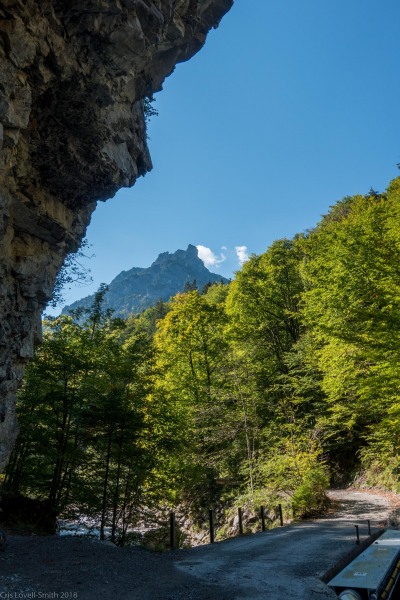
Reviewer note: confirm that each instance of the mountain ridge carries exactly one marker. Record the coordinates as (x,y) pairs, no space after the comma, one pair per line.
(138,288)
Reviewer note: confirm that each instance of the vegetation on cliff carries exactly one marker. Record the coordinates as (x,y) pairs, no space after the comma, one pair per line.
(261,390)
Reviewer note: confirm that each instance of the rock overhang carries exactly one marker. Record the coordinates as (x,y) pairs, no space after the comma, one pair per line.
(73,77)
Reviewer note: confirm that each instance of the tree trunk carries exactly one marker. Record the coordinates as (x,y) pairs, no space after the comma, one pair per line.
(105,485)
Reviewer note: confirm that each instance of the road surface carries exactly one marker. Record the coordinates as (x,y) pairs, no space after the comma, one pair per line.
(283,564)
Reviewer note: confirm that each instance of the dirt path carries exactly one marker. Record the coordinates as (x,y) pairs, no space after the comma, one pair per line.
(283,563)
(353,505)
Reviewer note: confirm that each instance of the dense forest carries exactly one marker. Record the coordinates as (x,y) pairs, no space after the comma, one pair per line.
(261,391)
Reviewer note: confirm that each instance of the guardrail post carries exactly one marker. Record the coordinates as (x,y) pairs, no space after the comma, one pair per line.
(240,521)
(280,514)
(211,516)
(358,534)
(172,530)
(369,527)
(262,518)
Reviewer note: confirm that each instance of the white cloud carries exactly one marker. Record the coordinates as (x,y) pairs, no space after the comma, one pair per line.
(241,253)
(208,257)
(224,248)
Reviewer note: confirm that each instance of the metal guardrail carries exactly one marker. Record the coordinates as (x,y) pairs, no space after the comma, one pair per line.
(373,574)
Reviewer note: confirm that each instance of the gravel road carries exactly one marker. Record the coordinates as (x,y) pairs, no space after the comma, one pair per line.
(284,563)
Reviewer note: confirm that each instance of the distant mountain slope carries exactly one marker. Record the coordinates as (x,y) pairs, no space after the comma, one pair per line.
(134,290)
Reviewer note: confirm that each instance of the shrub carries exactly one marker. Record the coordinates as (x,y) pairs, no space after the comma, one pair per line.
(310,498)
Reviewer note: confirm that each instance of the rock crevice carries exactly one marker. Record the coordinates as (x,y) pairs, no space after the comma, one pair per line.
(73,77)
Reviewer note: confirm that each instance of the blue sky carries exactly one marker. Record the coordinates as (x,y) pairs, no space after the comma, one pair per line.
(289,107)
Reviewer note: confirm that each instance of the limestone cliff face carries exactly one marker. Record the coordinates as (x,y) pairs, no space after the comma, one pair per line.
(73,75)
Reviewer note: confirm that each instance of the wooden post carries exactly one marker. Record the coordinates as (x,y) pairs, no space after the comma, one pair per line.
(211,515)
(262,518)
(358,534)
(240,521)
(172,530)
(280,514)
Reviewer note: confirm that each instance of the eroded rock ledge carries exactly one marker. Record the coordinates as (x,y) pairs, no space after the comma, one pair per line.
(72,131)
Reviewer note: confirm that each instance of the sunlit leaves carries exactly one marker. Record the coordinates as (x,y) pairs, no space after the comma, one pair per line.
(352,307)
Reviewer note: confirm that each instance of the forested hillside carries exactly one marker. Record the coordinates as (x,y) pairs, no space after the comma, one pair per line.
(260,391)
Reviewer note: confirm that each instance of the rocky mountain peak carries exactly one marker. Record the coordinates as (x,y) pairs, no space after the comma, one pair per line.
(190,255)
(139,288)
